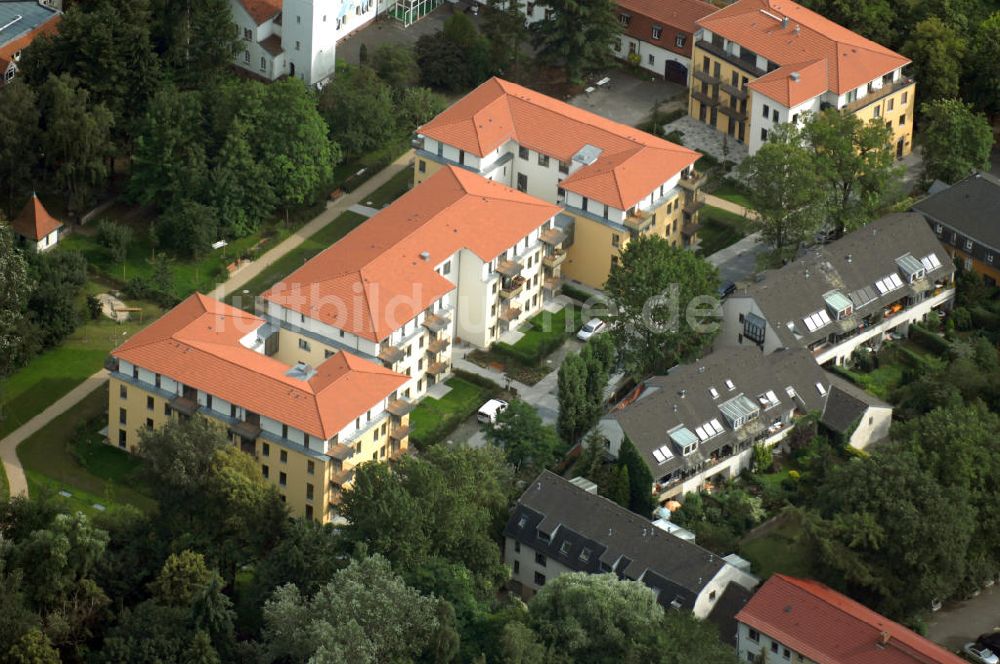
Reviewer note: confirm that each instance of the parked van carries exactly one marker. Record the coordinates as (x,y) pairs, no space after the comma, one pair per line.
(490,410)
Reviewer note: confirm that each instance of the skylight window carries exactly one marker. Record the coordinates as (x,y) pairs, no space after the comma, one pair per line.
(790,391)
(702,434)
(816,320)
(730,385)
(522,522)
(585,555)
(821,389)
(564,547)
(663,454)
(716,425)
(714,392)
(931,262)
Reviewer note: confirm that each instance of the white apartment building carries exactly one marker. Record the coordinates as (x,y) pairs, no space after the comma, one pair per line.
(459,256)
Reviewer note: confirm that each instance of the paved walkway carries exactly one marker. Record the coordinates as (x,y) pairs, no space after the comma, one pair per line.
(8,446)
(700,136)
(729,206)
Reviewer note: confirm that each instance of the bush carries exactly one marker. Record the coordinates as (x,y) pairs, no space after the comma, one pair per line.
(928,340)
(529,359)
(444,426)
(578,294)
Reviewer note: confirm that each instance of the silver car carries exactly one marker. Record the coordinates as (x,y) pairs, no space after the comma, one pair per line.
(981,654)
(590,328)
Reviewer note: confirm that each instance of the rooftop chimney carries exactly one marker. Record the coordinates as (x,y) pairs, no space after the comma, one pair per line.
(784,22)
(883,638)
(795,76)
(796,29)
(425,255)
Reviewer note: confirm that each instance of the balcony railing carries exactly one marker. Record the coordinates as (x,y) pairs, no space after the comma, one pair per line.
(436,323)
(509,268)
(722,54)
(554,259)
(437,368)
(390,355)
(400,433)
(704,98)
(693,204)
(554,237)
(509,314)
(438,345)
(878,95)
(512,287)
(733,91)
(735,113)
(693,180)
(703,75)
(399,407)
(638,221)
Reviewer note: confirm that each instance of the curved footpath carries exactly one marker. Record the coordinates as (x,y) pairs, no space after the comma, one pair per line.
(8,446)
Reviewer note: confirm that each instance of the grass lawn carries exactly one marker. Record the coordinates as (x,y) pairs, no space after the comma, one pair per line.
(546,328)
(397,185)
(67,455)
(55,372)
(294,259)
(720,229)
(463,400)
(880,382)
(732,192)
(778,550)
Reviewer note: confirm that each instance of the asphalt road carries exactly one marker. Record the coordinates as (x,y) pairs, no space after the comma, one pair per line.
(960,622)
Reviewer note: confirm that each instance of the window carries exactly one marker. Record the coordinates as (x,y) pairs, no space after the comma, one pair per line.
(298,46)
(517,545)
(282,479)
(624,19)
(246,57)
(311,467)
(522,152)
(445,269)
(327,353)
(774,647)
(265,449)
(539,579)
(149,423)
(680,40)
(166,409)
(657,31)
(968,245)
(522,182)
(122,416)
(263,63)
(902,100)
(585,555)
(877,112)
(650,59)
(461,157)
(938,228)
(774,115)
(309,491)
(543,160)
(123,392)
(564,165)
(754,636)
(888,125)
(615,240)
(122,438)
(422,166)
(303,345)
(763,134)
(265,471)
(786,653)
(247,34)
(284,456)
(309,512)
(540,559)
(767,111)
(298,19)
(989,258)
(891,103)
(618,49)
(711,596)
(149,403)
(902,120)
(517,567)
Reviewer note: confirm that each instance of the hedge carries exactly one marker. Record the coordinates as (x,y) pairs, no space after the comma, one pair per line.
(928,340)
(447,424)
(578,294)
(528,359)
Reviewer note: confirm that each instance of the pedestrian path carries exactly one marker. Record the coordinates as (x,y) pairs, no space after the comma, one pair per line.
(729,206)
(362,210)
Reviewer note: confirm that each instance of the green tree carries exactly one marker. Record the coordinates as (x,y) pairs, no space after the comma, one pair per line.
(662,297)
(784,189)
(183,577)
(34,647)
(419,105)
(15,288)
(456,58)
(367,613)
(577,35)
(504,25)
(150,633)
(855,162)
(983,69)
(19,138)
(619,486)
(359,109)
(187,228)
(396,65)
(76,140)
(241,192)
(519,645)
(597,380)
(957,141)
(53,309)
(169,162)
(195,39)
(937,50)
(116,238)
(528,443)
(874,19)
(574,406)
(640,479)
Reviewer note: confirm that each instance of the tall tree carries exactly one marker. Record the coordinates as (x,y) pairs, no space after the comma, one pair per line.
(195,38)
(529,444)
(957,141)
(396,65)
(359,109)
(663,300)
(18,142)
(456,58)
(983,70)
(76,139)
(241,190)
(59,278)
(574,406)
(855,161)
(640,479)
(507,30)
(577,35)
(15,288)
(937,50)
(784,189)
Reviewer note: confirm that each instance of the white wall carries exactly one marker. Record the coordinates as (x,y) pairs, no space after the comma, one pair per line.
(645,49)
(873,427)
(705,601)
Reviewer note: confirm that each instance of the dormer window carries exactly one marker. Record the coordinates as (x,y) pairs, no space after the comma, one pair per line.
(585,555)
(565,547)
(522,522)
(545,537)
(839,305)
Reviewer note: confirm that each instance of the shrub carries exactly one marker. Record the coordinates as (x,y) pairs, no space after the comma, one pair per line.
(578,294)
(962,318)
(928,340)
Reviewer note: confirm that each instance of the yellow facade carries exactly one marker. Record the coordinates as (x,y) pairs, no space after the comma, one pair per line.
(296,473)
(423,169)
(987,270)
(718,97)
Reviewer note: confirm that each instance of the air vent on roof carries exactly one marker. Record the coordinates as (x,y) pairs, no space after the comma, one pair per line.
(683,393)
(425,255)
(796,29)
(795,76)
(301,371)
(784,22)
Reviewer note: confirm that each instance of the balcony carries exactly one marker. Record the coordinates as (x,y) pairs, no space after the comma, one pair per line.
(509,314)
(341,452)
(399,407)
(734,113)
(342,477)
(733,91)
(638,221)
(552,285)
(553,237)
(184,405)
(693,204)
(878,95)
(509,268)
(554,259)
(399,433)
(436,323)
(721,53)
(512,287)
(703,75)
(437,368)
(438,345)
(693,180)
(690,230)
(390,355)
(245,430)
(704,98)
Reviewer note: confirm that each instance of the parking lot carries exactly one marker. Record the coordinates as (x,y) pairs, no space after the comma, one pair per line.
(960,622)
(386,30)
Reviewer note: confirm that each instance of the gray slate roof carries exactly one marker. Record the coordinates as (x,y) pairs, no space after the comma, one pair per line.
(851,265)
(610,533)
(846,404)
(31,16)
(971,206)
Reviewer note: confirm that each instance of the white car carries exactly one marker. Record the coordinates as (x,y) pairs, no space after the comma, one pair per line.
(981,654)
(590,328)
(489,411)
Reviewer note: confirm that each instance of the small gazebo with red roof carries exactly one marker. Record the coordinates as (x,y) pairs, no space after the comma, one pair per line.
(38,228)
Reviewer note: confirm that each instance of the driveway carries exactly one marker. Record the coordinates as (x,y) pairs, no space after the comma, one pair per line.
(627,99)
(960,622)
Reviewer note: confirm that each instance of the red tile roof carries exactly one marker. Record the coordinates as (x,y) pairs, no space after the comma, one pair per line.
(35,222)
(261,10)
(374,280)
(198,344)
(829,628)
(631,165)
(781,85)
(679,14)
(852,60)
(7,50)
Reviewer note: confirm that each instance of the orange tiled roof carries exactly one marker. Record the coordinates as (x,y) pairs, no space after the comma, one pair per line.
(781,86)
(7,50)
(261,10)
(35,222)
(632,162)
(374,280)
(852,60)
(198,344)
(681,14)
(825,626)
